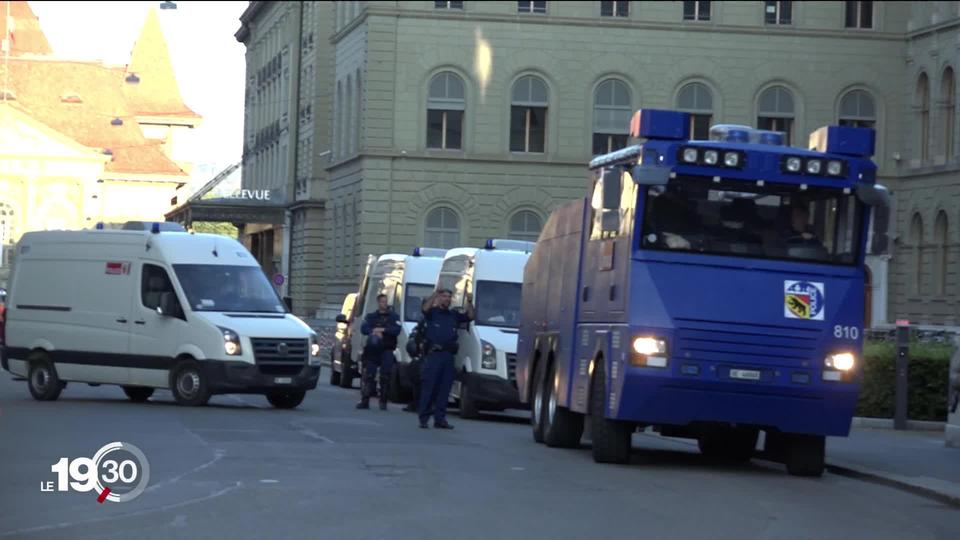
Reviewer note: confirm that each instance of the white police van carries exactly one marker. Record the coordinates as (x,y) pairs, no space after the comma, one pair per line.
(147,309)
(487,358)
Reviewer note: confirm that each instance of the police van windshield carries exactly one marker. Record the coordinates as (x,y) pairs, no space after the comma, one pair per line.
(212,287)
(413,299)
(497,303)
(737,218)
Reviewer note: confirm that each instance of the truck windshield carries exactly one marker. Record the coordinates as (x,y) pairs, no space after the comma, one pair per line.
(212,287)
(738,218)
(497,304)
(413,299)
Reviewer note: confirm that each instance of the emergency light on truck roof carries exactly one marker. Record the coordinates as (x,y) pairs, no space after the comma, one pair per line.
(745,134)
(428,252)
(510,245)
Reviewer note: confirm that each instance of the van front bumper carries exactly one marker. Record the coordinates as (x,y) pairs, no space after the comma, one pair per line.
(226,377)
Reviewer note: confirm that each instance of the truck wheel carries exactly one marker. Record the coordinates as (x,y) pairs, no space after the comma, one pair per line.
(728,444)
(138,394)
(43,381)
(562,428)
(611,438)
(188,384)
(804,455)
(286,400)
(334,374)
(539,402)
(468,407)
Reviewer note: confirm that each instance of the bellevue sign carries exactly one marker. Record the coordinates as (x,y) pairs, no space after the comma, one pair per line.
(250,194)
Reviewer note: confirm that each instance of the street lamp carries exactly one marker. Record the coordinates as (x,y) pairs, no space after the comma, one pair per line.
(168,5)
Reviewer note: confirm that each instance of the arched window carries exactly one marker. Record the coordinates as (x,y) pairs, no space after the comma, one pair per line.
(525,225)
(528,115)
(948,93)
(697,99)
(923,103)
(916,238)
(942,257)
(611,116)
(775,111)
(446,103)
(442,228)
(857,109)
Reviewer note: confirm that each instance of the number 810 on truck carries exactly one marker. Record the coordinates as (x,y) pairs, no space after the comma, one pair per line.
(710,289)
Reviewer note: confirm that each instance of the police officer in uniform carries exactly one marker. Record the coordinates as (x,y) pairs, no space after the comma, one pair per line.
(441,345)
(381,328)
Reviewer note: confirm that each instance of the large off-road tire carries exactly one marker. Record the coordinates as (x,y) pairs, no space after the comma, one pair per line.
(804,455)
(611,438)
(539,398)
(562,428)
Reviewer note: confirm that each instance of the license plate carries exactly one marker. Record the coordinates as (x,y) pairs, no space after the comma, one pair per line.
(283,380)
(745,374)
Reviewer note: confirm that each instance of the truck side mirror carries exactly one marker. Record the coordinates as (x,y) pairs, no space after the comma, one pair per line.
(612,187)
(873,195)
(650,176)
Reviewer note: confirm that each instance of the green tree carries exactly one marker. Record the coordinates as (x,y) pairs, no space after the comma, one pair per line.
(222,228)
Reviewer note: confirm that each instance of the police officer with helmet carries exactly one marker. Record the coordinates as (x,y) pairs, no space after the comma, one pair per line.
(381,328)
(442,325)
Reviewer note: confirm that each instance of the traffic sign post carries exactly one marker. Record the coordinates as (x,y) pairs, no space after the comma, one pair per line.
(902,367)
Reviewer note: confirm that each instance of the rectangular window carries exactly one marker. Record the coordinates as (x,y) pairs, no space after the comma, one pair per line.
(445,129)
(859,14)
(619,8)
(696,10)
(778,12)
(700,126)
(850,122)
(532,7)
(154,284)
(772,123)
(528,129)
(604,143)
(448,5)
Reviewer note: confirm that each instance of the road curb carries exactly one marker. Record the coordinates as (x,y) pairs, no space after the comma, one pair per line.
(887,423)
(950,499)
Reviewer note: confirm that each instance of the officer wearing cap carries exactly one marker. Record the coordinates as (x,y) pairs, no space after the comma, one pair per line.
(442,325)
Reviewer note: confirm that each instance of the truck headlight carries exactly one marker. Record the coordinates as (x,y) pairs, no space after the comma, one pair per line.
(841,361)
(649,351)
(488,359)
(231,342)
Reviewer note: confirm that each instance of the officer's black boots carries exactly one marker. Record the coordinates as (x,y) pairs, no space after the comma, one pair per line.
(364,403)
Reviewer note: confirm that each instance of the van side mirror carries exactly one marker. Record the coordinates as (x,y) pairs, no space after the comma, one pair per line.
(612,188)
(168,305)
(342,319)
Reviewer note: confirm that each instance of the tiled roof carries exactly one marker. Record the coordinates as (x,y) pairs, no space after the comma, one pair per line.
(157,93)
(28,38)
(81,100)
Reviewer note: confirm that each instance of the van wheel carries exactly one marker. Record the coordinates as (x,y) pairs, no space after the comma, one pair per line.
(138,394)
(468,407)
(286,400)
(562,428)
(539,402)
(43,381)
(188,384)
(804,455)
(346,373)
(611,438)
(334,375)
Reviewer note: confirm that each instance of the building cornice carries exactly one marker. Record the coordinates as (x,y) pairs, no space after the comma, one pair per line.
(248,15)
(372,10)
(933,29)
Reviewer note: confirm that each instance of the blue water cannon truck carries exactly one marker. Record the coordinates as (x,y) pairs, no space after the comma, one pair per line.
(709,289)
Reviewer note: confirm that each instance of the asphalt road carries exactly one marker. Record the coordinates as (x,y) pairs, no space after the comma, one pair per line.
(240,469)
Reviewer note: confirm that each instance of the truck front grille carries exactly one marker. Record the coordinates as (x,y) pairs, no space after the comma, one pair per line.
(279,356)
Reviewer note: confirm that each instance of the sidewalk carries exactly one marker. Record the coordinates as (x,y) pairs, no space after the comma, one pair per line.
(917,461)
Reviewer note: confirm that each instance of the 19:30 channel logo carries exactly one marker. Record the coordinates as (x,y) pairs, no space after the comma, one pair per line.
(118,472)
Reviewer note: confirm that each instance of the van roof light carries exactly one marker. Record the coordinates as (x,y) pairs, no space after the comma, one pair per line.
(428,252)
(155,229)
(100,226)
(509,245)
